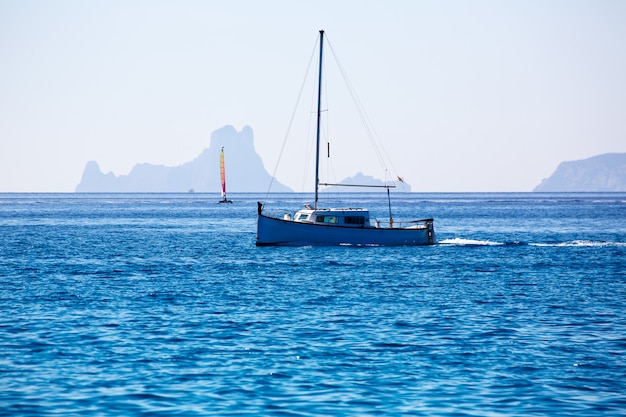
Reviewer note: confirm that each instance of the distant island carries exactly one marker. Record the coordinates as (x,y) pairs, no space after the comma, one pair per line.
(244,170)
(602,173)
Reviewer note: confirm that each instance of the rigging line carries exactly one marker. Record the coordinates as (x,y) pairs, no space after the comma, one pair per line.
(307,159)
(328,97)
(325,125)
(310,143)
(311,133)
(324,162)
(361,111)
(293,114)
(383,156)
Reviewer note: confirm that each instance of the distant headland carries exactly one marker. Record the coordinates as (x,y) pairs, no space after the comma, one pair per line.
(246,172)
(602,173)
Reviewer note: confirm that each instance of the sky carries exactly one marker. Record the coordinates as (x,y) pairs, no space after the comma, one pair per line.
(465,96)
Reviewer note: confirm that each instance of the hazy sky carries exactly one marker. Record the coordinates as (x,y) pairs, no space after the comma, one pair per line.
(465,95)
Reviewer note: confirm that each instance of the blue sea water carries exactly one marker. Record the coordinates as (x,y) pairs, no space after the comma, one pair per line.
(160,304)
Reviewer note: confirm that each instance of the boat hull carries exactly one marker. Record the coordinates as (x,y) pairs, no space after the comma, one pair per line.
(278,232)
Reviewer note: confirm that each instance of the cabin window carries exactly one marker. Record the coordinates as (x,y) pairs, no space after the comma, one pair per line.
(360,220)
(302,217)
(326,219)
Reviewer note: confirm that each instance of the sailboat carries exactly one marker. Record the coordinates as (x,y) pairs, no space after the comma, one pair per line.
(336,226)
(223,177)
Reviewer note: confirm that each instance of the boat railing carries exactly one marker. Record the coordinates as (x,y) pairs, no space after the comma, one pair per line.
(404,224)
(277,213)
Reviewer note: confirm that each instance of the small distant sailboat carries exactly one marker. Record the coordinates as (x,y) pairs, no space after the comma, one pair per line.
(223,177)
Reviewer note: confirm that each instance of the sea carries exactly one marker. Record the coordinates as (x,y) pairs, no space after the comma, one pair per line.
(162,305)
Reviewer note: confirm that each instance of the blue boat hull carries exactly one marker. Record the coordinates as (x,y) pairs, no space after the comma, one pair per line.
(276,232)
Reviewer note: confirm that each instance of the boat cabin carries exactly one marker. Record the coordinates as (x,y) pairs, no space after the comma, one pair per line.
(351,217)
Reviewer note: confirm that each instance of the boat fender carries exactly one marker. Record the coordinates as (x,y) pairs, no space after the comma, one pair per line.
(286,216)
